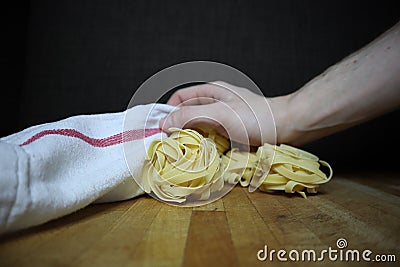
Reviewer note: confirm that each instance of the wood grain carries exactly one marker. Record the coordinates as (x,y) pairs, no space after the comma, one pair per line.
(363,209)
(209,240)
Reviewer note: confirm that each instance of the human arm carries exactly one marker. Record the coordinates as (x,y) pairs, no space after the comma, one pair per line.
(362,86)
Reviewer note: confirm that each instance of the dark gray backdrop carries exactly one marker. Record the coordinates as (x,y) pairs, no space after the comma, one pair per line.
(62,58)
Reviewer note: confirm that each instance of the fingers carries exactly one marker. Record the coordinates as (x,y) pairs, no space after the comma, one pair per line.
(199,94)
(214,104)
(189,116)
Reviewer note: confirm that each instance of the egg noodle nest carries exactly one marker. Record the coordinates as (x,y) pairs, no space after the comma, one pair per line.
(195,163)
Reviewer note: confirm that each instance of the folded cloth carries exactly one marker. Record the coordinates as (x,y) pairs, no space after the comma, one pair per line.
(51,170)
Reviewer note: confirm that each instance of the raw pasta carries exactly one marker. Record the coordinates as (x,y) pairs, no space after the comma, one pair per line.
(184,164)
(281,167)
(194,164)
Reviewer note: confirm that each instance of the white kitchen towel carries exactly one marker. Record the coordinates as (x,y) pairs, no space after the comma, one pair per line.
(51,170)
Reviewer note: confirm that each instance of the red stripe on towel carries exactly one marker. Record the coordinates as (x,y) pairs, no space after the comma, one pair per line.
(97,142)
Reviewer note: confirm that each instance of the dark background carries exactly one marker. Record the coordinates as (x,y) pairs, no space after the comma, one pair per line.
(62,58)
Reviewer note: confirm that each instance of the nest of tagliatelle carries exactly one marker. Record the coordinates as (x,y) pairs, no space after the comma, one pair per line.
(196,163)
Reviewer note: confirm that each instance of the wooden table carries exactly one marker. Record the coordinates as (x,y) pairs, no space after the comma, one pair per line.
(364,209)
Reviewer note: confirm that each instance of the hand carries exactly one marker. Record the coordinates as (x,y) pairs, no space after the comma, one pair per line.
(235,112)
(360,87)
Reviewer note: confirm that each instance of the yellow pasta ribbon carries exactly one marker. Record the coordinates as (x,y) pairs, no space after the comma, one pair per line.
(191,164)
(184,164)
(284,168)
